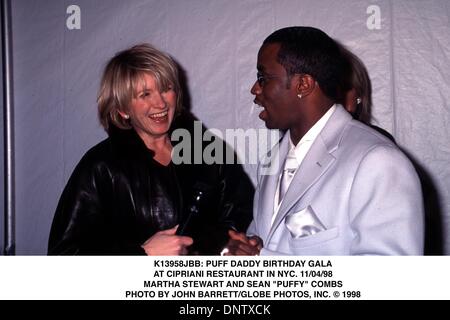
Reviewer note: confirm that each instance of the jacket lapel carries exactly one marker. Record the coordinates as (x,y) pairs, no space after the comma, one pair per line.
(318,160)
(268,188)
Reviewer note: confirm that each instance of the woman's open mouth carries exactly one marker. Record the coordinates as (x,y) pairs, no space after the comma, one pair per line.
(160,116)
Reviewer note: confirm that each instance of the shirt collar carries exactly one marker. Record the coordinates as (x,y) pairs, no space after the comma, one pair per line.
(314,131)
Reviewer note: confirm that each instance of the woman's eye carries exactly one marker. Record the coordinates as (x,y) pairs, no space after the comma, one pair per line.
(168,88)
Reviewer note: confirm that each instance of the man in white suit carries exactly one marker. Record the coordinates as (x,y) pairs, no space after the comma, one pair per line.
(340,188)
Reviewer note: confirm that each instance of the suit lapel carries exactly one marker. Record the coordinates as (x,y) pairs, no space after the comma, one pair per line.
(318,160)
(315,164)
(268,188)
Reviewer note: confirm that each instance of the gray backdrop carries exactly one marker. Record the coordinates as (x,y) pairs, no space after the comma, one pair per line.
(57,71)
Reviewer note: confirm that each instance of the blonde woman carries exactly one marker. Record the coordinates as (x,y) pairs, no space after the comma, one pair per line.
(126,196)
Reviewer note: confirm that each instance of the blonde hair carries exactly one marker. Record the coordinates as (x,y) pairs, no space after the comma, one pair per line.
(122,75)
(356,77)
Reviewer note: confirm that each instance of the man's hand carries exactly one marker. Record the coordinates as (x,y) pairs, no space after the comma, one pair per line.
(241,245)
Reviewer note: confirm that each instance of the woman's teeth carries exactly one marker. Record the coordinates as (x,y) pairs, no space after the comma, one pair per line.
(160,115)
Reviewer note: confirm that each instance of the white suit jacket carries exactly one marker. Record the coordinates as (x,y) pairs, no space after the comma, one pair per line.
(358,186)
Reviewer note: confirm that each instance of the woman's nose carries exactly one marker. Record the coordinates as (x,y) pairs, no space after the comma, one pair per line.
(159,100)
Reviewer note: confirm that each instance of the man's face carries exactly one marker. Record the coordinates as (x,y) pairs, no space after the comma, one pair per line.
(272,92)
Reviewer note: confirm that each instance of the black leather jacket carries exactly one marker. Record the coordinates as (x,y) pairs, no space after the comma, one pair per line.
(118,197)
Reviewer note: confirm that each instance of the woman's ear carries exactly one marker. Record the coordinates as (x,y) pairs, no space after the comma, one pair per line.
(124,115)
(350,101)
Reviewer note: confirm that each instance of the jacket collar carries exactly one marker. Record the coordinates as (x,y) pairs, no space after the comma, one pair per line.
(128,141)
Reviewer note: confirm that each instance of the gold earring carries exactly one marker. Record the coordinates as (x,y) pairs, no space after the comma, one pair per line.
(126,116)
(299,95)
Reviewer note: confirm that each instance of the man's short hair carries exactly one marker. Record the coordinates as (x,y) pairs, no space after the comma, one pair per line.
(310,51)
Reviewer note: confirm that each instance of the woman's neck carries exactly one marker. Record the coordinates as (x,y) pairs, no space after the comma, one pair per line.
(162,148)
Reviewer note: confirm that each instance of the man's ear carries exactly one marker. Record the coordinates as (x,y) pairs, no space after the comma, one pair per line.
(304,84)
